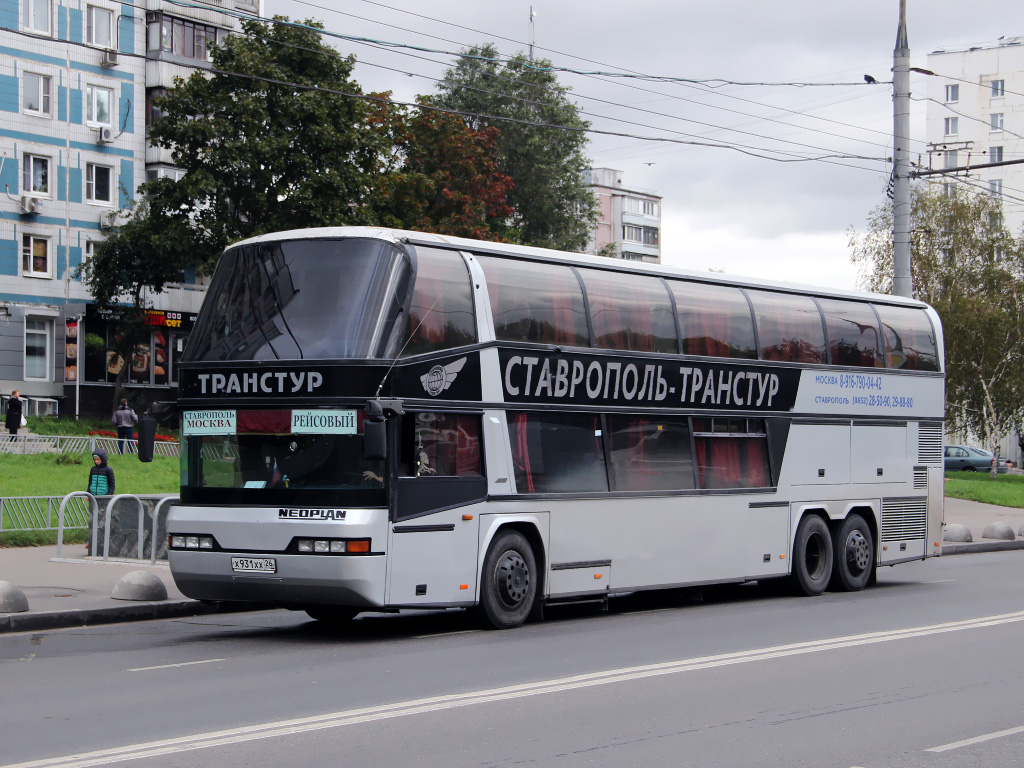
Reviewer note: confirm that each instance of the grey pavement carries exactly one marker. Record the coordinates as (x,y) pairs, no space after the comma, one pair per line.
(76,591)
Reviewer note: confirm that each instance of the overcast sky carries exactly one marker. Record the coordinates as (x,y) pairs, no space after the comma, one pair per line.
(721,209)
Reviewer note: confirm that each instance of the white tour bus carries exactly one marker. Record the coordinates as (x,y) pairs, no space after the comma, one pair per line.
(374,420)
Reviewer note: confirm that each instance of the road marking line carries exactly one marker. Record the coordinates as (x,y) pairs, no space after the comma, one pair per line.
(938,581)
(275,729)
(977,739)
(453,632)
(170,666)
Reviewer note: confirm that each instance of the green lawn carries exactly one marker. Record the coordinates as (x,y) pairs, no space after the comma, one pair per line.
(41,475)
(1005,490)
(69,425)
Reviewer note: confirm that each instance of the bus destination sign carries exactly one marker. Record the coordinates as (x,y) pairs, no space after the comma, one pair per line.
(540,377)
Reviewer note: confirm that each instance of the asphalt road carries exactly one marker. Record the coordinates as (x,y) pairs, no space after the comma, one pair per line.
(923,670)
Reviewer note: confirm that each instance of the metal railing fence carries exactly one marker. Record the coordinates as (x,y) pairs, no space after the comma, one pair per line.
(85,444)
(39,513)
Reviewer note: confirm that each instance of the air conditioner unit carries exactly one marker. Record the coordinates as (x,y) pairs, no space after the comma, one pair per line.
(107,220)
(106,135)
(109,59)
(28,206)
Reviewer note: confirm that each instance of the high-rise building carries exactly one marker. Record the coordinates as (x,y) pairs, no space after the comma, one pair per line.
(77,81)
(975,115)
(628,219)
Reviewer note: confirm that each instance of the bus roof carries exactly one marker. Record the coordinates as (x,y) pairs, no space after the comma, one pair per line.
(532,253)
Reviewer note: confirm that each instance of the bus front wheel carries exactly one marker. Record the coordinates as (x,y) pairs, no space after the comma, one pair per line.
(854,556)
(508,586)
(812,557)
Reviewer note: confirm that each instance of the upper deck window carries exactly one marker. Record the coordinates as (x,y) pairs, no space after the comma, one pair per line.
(714,320)
(441,312)
(303,299)
(535,302)
(631,312)
(909,338)
(788,327)
(852,333)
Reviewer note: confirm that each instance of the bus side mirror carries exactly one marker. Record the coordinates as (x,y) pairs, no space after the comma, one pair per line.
(375,438)
(147,436)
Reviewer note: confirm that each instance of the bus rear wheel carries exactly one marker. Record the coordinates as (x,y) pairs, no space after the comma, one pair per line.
(854,557)
(332,616)
(508,584)
(812,557)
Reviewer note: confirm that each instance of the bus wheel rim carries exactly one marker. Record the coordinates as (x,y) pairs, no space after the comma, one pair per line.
(513,578)
(858,553)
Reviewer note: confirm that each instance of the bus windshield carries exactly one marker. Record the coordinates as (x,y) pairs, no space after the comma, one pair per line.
(272,456)
(270,301)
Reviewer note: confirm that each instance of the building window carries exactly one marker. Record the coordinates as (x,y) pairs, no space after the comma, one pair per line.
(35,256)
(951,126)
(996,121)
(995,187)
(37,16)
(180,37)
(950,157)
(650,208)
(995,154)
(36,91)
(99,26)
(90,250)
(153,112)
(36,176)
(995,219)
(37,349)
(98,183)
(998,89)
(952,93)
(97,105)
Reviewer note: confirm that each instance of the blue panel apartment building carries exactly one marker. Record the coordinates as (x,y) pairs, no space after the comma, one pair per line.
(76,80)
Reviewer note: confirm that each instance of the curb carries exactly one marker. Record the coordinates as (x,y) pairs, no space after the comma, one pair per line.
(981,546)
(143,611)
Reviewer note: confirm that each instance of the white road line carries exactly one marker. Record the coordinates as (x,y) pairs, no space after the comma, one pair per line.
(454,632)
(977,739)
(171,666)
(278,728)
(938,581)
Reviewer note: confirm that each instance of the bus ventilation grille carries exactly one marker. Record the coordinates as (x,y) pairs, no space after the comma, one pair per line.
(929,443)
(904,519)
(920,477)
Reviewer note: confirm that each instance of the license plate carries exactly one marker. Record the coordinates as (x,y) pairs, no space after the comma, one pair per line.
(254,564)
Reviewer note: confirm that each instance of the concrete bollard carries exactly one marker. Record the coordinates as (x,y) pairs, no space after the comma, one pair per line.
(12,599)
(998,531)
(139,585)
(957,532)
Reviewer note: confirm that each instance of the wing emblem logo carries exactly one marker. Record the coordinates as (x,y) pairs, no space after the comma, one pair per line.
(440,377)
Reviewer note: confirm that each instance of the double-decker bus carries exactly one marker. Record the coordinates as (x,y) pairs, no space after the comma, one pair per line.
(376,420)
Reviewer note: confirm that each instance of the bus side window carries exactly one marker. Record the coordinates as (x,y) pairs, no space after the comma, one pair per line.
(535,302)
(909,338)
(631,312)
(557,452)
(440,445)
(714,320)
(731,453)
(852,333)
(788,327)
(441,314)
(649,453)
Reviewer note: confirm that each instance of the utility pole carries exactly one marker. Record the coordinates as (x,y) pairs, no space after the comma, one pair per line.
(902,283)
(533,15)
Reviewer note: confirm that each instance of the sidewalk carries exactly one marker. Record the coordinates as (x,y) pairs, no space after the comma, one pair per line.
(76,592)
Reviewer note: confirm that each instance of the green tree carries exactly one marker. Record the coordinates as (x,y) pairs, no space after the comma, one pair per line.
(269,148)
(551,206)
(441,175)
(969,267)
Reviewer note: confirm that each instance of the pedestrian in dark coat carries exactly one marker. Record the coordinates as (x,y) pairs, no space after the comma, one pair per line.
(14,412)
(124,419)
(101,476)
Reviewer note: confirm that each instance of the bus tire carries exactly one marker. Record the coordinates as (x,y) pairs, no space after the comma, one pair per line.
(508,581)
(812,557)
(332,616)
(854,556)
